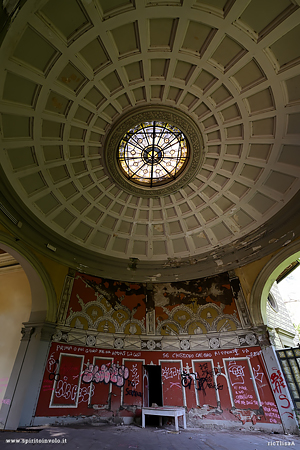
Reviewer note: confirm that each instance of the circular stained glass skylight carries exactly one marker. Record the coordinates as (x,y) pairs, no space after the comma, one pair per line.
(153,153)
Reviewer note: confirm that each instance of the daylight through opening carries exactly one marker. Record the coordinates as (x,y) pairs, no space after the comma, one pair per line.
(153,153)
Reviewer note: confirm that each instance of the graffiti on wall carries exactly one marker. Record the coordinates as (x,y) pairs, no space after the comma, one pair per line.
(277,380)
(279,387)
(258,374)
(202,379)
(171,372)
(229,383)
(69,393)
(114,374)
(132,391)
(237,372)
(245,396)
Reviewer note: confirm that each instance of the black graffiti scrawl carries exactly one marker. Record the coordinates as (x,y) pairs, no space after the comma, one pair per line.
(203,379)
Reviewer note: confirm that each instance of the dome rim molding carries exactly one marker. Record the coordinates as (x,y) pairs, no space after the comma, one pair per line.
(164,114)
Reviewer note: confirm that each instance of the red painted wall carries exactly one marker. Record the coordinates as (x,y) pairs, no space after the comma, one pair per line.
(218,384)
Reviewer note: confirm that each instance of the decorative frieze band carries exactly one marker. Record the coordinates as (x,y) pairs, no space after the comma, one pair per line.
(210,341)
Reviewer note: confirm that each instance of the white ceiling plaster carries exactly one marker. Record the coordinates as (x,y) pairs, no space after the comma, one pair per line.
(66,78)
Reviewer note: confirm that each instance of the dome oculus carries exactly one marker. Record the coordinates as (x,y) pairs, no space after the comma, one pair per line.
(153,153)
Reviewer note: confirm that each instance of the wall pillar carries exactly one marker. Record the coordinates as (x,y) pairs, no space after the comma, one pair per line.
(280,390)
(23,387)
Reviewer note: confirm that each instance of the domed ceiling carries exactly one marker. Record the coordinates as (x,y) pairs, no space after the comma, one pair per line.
(73,71)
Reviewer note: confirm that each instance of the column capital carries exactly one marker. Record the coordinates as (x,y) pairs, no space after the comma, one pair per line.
(44,329)
(27,331)
(263,336)
(47,331)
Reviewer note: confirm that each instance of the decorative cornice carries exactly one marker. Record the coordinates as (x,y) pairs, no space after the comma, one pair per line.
(203,342)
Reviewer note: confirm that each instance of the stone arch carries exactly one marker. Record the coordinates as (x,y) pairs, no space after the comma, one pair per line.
(265,279)
(44,304)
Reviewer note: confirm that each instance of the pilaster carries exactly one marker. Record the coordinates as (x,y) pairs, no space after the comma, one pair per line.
(280,391)
(24,383)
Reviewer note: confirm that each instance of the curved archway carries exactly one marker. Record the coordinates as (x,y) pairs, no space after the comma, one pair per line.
(35,298)
(44,304)
(266,278)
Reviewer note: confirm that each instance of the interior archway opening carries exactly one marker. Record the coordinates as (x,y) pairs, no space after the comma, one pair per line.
(15,309)
(283,308)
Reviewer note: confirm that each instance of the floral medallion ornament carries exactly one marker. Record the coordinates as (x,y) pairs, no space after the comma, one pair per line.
(185,344)
(214,343)
(91,340)
(119,343)
(250,339)
(57,336)
(151,345)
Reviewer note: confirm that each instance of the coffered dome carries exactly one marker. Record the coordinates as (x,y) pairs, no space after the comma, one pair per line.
(75,73)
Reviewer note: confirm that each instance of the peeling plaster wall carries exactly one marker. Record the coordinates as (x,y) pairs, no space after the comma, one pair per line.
(109,332)
(192,307)
(215,386)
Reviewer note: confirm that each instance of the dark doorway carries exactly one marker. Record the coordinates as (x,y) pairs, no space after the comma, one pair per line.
(154,391)
(155,386)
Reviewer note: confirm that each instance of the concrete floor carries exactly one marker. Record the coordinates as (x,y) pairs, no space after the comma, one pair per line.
(112,437)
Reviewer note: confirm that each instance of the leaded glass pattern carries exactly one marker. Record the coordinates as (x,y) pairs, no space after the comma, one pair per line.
(153,153)
(291,368)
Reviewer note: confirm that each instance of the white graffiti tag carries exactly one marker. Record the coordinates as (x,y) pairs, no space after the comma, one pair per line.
(68,391)
(257,374)
(237,371)
(171,372)
(135,378)
(115,374)
(52,364)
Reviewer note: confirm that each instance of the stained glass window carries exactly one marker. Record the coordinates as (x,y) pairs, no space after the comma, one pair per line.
(153,153)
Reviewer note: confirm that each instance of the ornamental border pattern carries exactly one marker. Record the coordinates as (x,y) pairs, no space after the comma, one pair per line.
(205,342)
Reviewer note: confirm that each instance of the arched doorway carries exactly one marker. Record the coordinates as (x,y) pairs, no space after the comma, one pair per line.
(15,309)
(29,298)
(267,276)
(43,296)
(258,300)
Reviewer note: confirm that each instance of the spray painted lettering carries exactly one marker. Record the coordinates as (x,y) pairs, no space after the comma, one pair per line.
(133,383)
(52,368)
(277,381)
(135,378)
(257,374)
(69,392)
(133,393)
(279,387)
(202,381)
(170,372)
(238,371)
(114,374)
